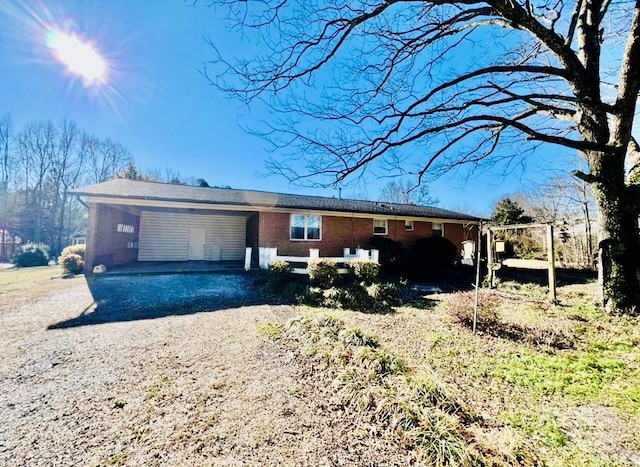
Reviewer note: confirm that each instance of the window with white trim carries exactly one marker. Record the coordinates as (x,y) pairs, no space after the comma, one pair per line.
(305,227)
(408,226)
(380,226)
(437,229)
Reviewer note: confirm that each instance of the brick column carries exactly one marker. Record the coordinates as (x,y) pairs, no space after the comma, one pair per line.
(92,229)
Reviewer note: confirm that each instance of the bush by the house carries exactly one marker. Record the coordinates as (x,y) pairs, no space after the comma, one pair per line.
(432,254)
(278,276)
(365,270)
(31,255)
(322,273)
(326,289)
(73,250)
(72,263)
(390,253)
(334,297)
(384,293)
(376,297)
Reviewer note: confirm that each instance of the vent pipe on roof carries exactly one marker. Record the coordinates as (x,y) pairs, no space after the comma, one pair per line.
(340,192)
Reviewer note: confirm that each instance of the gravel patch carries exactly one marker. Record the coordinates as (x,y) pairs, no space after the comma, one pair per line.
(188,387)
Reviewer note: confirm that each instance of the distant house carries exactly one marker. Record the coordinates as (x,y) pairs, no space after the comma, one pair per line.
(79,237)
(142,221)
(9,242)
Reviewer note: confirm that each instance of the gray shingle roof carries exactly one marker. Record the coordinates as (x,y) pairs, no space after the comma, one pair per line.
(129,189)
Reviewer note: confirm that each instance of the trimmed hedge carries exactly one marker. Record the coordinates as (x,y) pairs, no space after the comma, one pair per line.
(72,263)
(365,270)
(31,255)
(322,273)
(278,276)
(73,250)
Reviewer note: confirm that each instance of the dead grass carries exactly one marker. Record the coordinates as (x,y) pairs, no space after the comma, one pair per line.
(555,385)
(278,385)
(18,284)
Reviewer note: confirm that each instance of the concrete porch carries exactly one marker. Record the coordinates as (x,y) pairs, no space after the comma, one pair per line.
(175,267)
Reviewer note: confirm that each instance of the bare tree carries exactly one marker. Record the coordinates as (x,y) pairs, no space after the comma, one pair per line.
(6,168)
(6,142)
(67,170)
(405,192)
(569,203)
(36,148)
(356,83)
(104,158)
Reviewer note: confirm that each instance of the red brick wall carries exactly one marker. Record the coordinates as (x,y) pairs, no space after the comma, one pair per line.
(343,232)
(105,245)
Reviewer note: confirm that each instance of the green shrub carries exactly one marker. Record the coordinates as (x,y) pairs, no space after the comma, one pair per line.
(31,255)
(366,271)
(278,276)
(390,253)
(334,297)
(386,293)
(72,263)
(73,249)
(323,273)
(357,298)
(279,267)
(294,291)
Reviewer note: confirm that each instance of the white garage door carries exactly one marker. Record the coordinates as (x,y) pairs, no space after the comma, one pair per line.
(164,236)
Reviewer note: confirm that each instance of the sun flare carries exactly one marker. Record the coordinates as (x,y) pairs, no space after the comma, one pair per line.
(79,57)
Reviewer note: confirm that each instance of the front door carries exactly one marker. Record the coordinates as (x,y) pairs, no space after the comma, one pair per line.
(196,244)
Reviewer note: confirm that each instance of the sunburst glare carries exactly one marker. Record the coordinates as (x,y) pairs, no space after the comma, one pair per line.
(92,51)
(81,58)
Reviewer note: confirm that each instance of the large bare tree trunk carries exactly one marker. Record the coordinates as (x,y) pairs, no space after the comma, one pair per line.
(619,240)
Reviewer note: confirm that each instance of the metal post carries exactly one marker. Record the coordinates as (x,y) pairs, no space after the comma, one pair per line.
(552,263)
(490,268)
(475,303)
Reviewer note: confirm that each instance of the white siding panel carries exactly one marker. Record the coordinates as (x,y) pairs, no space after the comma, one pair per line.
(164,236)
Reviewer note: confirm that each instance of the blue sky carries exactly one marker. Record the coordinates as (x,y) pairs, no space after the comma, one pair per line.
(157,104)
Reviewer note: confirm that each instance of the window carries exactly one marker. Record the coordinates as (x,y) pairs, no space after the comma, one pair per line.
(408,226)
(380,227)
(305,227)
(438,230)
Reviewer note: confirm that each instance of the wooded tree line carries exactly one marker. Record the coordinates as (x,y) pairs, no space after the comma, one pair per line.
(39,164)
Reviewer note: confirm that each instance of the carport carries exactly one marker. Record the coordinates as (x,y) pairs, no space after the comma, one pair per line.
(126,230)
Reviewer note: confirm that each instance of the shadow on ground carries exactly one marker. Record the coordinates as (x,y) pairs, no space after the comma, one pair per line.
(131,298)
(541,276)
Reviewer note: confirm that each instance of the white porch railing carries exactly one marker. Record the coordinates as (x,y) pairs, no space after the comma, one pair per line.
(269,255)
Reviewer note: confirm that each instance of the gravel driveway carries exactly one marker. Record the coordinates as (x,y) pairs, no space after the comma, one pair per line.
(121,391)
(130,298)
(165,370)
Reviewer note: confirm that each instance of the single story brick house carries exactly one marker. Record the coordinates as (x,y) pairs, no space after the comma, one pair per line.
(133,221)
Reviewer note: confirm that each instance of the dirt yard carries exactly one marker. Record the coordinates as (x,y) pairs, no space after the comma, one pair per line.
(188,389)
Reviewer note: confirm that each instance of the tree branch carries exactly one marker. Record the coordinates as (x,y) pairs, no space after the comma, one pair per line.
(588,178)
